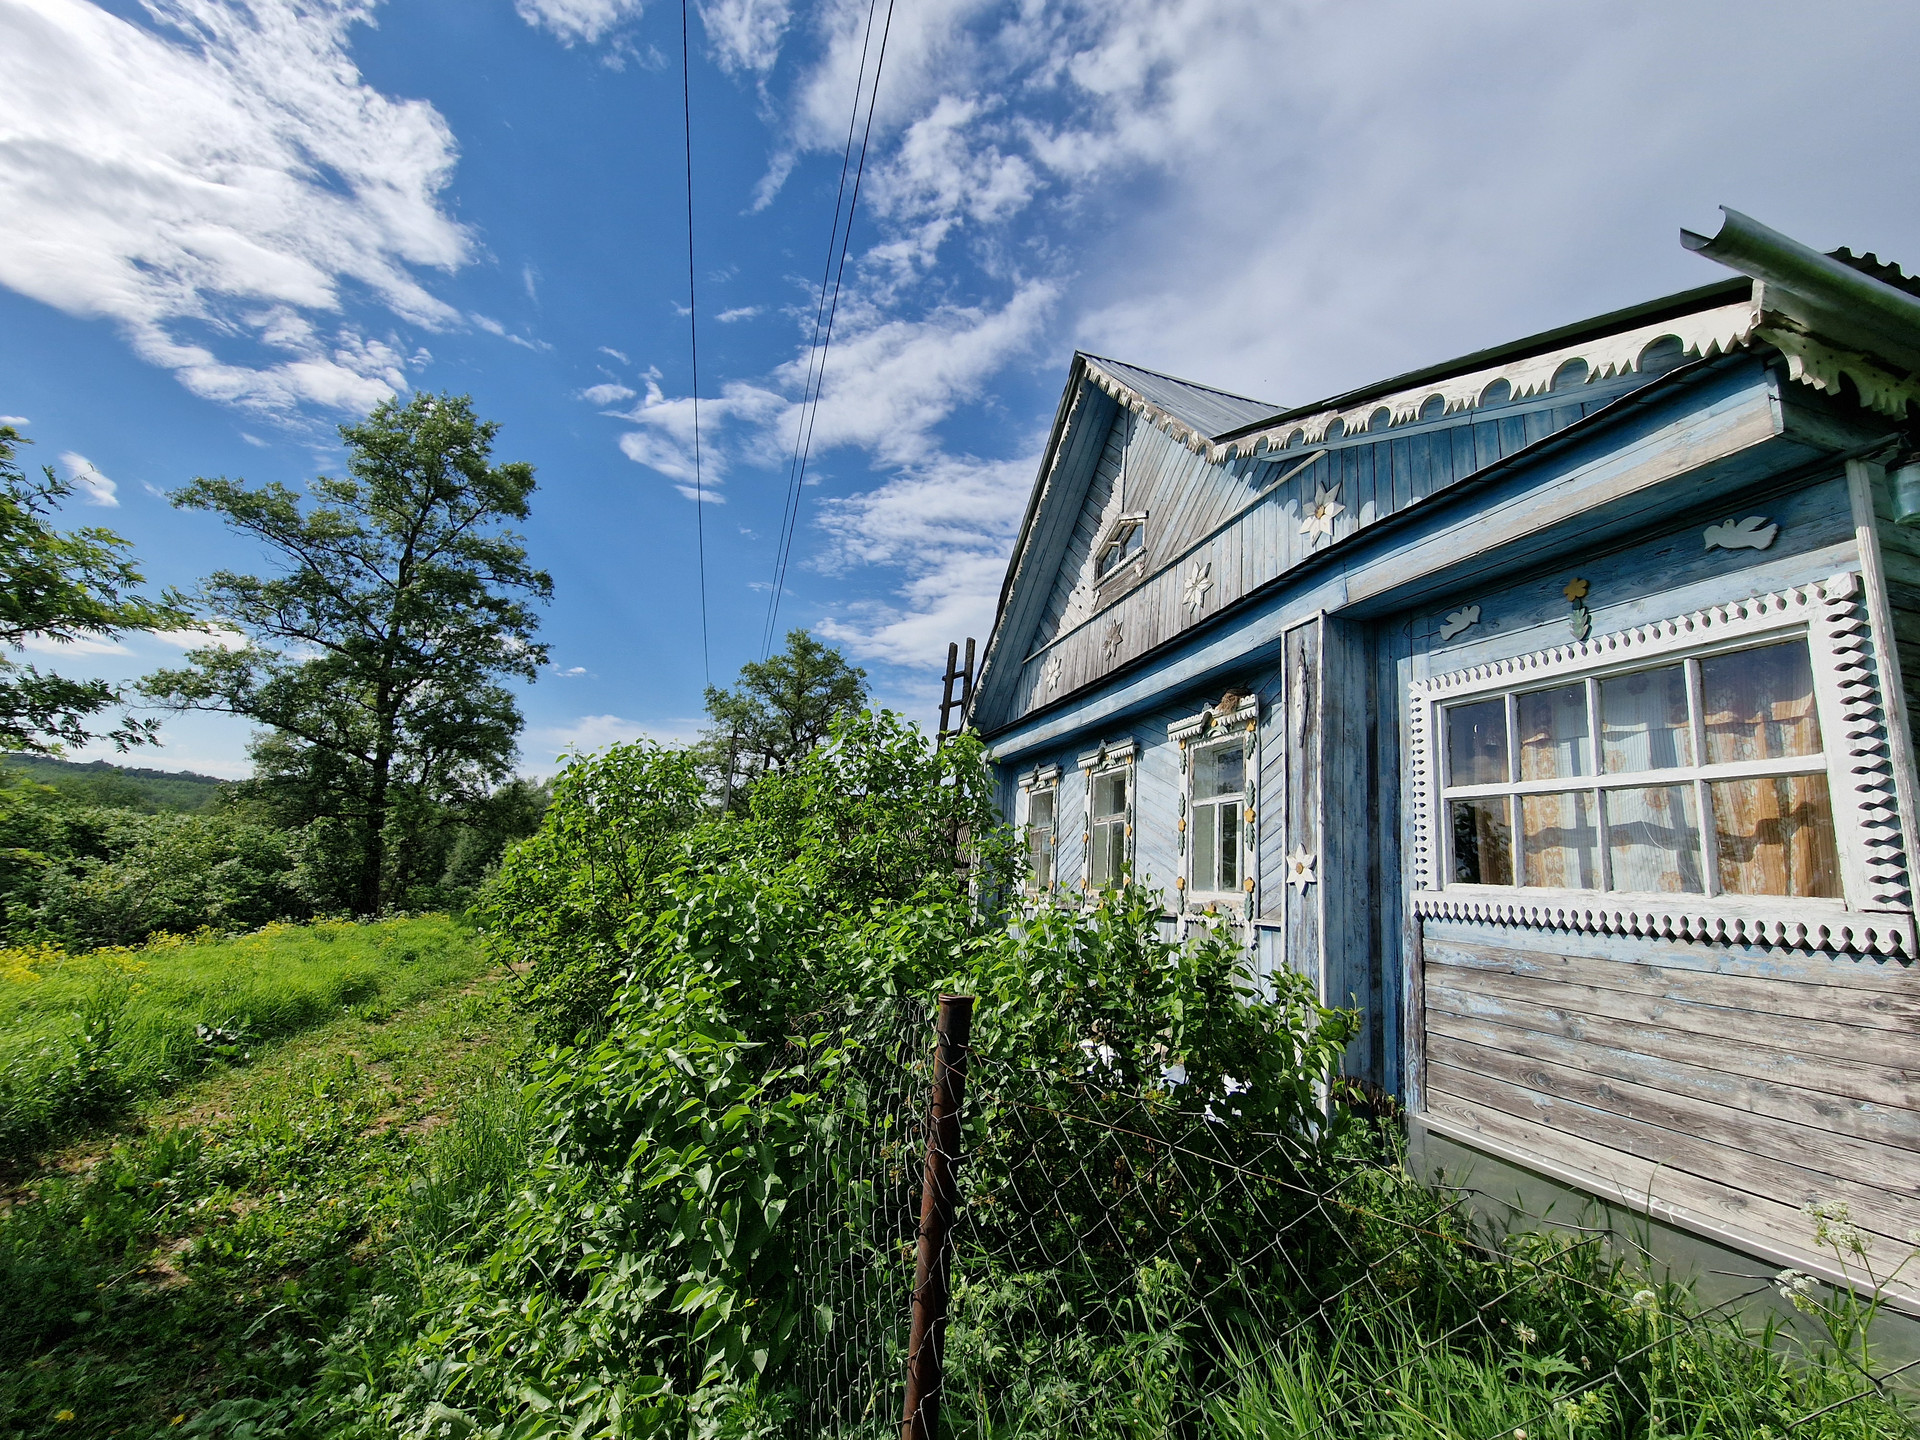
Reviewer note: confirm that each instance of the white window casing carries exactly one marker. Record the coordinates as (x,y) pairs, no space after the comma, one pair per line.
(1107,838)
(1868,904)
(1040,823)
(1217,831)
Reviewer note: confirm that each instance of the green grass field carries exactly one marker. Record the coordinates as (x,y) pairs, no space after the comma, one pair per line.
(84,1036)
(185,1261)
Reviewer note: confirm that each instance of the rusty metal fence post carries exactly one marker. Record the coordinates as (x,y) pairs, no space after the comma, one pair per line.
(939,1188)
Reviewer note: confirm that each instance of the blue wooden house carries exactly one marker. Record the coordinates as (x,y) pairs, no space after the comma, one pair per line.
(1546,704)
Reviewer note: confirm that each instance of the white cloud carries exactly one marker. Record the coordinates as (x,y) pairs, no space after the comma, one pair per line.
(666,441)
(746,34)
(224,177)
(616,354)
(95,488)
(577,20)
(14,420)
(739,312)
(547,746)
(79,645)
(219,636)
(606,394)
(948,526)
(889,381)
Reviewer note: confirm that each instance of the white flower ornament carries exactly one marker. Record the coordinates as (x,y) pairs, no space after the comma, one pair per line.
(1319,516)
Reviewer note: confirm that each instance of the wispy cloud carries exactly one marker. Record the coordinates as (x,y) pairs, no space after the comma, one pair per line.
(95,488)
(575,21)
(547,747)
(739,312)
(746,34)
(224,177)
(14,420)
(606,394)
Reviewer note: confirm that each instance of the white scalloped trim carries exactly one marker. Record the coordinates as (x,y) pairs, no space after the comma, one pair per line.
(1859,774)
(1852,931)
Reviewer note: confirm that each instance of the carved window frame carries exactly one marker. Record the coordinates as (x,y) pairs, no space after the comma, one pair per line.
(1111,756)
(1044,780)
(1876,915)
(1123,527)
(1211,725)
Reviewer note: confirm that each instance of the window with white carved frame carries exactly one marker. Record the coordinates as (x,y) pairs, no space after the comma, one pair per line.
(1218,750)
(1126,541)
(1042,829)
(1725,773)
(1703,775)
(1109,832)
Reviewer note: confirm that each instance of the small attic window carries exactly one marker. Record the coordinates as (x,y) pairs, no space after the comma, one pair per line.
(1126,541)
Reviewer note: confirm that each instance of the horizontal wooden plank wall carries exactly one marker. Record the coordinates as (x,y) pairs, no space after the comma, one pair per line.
(1739,1085)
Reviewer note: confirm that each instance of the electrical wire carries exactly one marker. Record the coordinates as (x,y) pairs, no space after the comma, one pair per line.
(823,340)
(693,345)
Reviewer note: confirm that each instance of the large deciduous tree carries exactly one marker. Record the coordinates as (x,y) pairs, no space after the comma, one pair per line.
(63,586)
(781,709)
(375,657)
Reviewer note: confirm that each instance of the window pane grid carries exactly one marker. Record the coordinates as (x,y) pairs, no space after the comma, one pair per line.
(1218,776)
(1698,776)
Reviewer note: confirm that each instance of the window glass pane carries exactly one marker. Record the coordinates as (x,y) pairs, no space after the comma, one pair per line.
(1759,704)
(1206,847)
(1643,721)
(1040,810)
(1775,836)
(1229,846)
(1219,770)
(1653,840)
(1110,794)
(1477,743)
(1040,858)
(1560,844)
(1109,858)
(1482,842)
(1553,733)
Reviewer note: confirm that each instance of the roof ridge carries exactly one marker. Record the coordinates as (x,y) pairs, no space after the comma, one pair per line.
(1179,379)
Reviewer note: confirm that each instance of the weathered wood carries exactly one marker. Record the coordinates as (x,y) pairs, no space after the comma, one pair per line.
(1759,1056)
(1648,1063)
(1893,1168)
(1884,1214)
(1304,717)
(1881,1007)
(1629,1180)
(1859,972)
(1856,1042)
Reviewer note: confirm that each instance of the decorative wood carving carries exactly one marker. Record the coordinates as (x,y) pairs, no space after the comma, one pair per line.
(1878,914)
(1460,621)
(1317,518)
(1301,864)
(1756,532)
(1199,581)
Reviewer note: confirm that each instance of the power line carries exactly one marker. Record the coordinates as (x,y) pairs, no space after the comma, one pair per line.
(817,357)
(693,344)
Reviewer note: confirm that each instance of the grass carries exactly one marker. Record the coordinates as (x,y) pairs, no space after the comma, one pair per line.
(84,1036)
(175,1277)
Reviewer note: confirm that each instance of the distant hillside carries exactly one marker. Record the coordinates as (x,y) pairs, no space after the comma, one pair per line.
(124,787)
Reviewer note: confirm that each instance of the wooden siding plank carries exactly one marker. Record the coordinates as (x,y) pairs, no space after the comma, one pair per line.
(1878,1211)
(1881,1047)
(1886,1125)
(1630,1180)
(1776,1058)
(1881,1009)
(1813,1148)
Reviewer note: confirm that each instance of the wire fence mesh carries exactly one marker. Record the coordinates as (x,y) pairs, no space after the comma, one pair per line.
(1146,1261)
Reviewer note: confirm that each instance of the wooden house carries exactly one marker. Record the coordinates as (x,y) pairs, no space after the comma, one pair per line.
(1546,704)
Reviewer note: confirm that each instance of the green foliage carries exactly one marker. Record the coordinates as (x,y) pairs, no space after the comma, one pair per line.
(189,1277)
(81,1036)
(63,586)
(86,876)
(570,903)
(376,657)
(782,708)
(121,787)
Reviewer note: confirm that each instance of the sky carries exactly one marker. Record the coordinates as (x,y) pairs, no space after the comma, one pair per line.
(229,226)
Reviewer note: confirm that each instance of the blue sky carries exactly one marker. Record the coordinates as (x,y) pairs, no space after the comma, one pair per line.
(226,227)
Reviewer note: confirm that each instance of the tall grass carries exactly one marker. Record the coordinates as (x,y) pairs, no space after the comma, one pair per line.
(82,1036)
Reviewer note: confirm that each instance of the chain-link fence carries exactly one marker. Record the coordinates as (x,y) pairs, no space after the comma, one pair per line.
(1150,1261)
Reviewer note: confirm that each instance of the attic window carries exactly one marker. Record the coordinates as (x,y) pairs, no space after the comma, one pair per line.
(1125,542)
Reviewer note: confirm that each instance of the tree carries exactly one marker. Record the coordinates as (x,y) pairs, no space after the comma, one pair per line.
(63,586)
(780,710)
(375,657)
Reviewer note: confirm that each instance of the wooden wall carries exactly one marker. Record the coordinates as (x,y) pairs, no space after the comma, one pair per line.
(1745,1083)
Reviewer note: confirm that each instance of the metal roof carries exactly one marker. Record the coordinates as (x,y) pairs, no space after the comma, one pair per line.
(1209,411)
